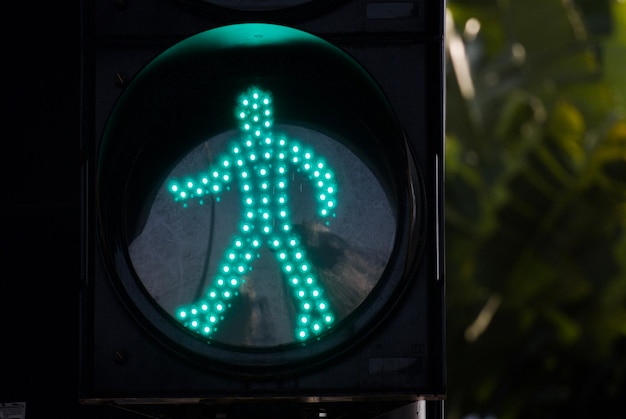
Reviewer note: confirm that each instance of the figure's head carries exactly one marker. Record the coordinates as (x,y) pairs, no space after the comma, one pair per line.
(254,112)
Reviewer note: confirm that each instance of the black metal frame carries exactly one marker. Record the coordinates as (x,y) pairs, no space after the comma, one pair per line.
(117,43)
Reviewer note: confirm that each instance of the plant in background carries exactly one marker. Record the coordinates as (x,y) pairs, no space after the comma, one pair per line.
(535,212)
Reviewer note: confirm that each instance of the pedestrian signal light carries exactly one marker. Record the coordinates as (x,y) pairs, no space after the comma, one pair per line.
(263,223)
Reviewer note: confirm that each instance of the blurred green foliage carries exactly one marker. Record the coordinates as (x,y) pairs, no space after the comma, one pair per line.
(536,208)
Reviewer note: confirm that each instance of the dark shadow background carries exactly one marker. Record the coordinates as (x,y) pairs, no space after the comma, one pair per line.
(40,207)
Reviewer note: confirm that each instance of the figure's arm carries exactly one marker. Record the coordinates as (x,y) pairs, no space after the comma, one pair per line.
(201,185)
(320,174)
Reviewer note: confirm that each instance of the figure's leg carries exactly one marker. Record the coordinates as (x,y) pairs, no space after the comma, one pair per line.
(204,315)
(313,312)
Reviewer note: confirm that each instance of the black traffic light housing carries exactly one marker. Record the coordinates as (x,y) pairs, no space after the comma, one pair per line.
(160,80)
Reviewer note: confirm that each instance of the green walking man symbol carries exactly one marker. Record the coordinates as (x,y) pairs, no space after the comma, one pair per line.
(260,161)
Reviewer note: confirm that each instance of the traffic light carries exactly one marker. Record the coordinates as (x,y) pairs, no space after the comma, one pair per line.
(262,202)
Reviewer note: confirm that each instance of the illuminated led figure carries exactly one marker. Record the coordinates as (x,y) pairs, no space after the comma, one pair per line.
(260,161)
